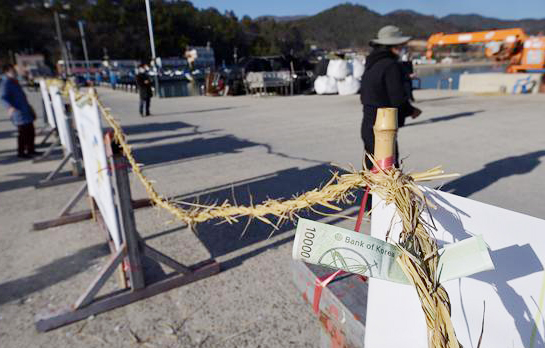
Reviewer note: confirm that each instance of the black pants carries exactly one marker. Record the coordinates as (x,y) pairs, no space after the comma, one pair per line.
(25,139)
(144,105)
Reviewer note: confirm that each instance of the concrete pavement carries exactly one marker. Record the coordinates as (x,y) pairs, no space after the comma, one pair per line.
(217,148)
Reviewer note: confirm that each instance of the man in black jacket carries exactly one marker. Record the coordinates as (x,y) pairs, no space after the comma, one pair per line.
(143,83)
(382,85)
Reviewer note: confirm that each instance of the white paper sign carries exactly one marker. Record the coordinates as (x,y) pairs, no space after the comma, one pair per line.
(97,174)
(47,104)
(514,292)
(61,119)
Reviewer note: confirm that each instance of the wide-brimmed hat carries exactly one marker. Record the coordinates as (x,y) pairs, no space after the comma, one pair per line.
(390,35)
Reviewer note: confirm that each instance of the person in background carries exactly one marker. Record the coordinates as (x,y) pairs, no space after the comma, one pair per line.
(143,83)
(20,112)
(382,86)
(98,78)
(408,74)
(113,79)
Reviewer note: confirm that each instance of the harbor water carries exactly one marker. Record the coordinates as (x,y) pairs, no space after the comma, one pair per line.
(432,78)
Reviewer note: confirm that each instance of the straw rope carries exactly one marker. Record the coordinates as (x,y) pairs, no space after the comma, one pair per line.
(419,257)
(418,247)
(339,189)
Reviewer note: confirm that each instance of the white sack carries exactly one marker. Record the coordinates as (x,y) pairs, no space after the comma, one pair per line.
(357,69)
(348,86)
(325,85)
(338,68)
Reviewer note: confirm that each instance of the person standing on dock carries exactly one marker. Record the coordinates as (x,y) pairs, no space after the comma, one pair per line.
(382,85)
(143,83)
(20,112)
(408,74)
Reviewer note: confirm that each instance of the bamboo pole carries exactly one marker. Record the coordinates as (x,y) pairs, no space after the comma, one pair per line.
(385,130)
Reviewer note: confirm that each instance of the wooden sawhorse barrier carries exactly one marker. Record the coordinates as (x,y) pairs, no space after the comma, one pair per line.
(129,256)
(66,216)
(71,154)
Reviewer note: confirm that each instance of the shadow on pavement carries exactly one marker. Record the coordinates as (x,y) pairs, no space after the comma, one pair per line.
(12,158)
(443,118)
(8,134)
(435,99)
(154,127)
(52,273)
(184,112)
(474,182)
(188,149)
(221,239)
(173,136)
(25,179)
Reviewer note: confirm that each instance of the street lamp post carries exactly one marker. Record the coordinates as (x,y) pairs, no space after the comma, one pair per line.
(152,44)
(61,44)
(70,56)
(84,44)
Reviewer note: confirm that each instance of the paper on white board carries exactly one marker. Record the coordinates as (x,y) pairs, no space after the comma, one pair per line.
(99,180)
(61,119)
(513,292)
(47,104)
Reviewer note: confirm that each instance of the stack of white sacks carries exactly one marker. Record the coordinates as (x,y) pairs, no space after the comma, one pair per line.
(343,77)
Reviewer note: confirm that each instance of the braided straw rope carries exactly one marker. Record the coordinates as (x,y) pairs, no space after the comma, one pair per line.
(419,255)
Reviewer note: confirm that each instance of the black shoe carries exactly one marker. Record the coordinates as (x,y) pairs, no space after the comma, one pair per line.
(25,156)
(36,153)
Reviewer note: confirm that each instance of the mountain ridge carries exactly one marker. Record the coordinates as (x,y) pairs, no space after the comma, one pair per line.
(354,25)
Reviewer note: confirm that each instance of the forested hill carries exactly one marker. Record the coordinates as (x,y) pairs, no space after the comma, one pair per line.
(351,25)
(476,22)
(120,28)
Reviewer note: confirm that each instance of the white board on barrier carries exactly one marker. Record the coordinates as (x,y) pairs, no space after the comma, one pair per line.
(514,292)
(61,119)
(97,174)
(47,104)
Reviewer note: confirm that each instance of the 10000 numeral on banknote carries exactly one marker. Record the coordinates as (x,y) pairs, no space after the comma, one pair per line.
(352,252)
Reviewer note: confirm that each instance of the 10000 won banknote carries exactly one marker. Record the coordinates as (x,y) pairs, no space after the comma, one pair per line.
(353,252)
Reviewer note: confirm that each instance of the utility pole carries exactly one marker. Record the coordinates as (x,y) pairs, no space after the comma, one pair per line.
(61,44)
(70,57)
(152,44)
(84,44)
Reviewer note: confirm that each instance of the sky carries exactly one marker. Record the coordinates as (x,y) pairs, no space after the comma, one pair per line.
(502,9)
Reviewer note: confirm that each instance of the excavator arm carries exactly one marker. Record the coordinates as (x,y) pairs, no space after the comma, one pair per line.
(509,36)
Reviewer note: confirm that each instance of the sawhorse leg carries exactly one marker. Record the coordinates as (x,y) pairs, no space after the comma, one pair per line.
(47,135)
(65,216)
(48,152)
(50,181)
